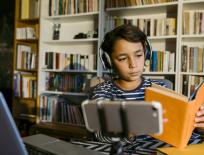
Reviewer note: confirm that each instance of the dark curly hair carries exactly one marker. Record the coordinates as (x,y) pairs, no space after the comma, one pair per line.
(128,32)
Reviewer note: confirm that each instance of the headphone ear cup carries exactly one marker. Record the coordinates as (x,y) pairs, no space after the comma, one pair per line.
(106,60)
(148,52)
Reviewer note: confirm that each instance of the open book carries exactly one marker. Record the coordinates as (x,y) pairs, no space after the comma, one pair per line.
(180,112)
(196,149)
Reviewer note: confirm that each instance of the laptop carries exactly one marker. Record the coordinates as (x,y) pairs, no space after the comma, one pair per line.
(52,146)
(10,140)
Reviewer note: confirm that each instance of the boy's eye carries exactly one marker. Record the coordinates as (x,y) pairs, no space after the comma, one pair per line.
(121,59)
(138,55)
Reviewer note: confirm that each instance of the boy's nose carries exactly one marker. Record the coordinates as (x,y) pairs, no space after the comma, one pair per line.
(132,63)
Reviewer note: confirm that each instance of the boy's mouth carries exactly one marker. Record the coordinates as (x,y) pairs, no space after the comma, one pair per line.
(134,73)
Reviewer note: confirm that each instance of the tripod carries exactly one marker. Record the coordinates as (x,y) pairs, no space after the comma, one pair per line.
(117,147)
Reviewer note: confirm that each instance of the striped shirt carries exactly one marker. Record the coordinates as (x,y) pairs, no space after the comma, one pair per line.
(108,90)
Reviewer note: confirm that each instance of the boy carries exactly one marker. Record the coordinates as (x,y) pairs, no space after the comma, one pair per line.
(125,50)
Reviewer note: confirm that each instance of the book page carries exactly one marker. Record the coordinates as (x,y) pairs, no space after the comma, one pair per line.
(192,97)
(169,91)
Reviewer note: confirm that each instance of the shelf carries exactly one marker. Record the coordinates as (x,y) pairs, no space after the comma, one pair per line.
(26,70)
(64,93)
(193,36)
(69,71)
(81,17)
(192,1)
(74,41)
(29,20)
(192,73)
(28,116)
(31,118)
(151,73)
(27,40)
(142,6)
(25,99)
(159,73)
(162,37)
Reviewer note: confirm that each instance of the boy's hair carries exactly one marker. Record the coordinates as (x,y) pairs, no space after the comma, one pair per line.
(127,32)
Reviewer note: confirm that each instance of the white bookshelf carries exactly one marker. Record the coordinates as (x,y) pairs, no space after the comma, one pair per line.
(72,24)
(172,43)
(159,42)
(192,40)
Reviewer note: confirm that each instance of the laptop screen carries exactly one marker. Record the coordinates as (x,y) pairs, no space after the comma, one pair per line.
(10,140)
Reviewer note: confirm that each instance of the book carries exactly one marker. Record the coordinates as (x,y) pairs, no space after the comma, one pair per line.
(179,110)
(189,150)
(24,9)
(184,58)
(29,9)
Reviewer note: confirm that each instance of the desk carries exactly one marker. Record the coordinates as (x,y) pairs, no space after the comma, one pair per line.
(142,146)
(40,144)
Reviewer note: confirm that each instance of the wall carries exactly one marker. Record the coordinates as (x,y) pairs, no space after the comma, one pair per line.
(6,48)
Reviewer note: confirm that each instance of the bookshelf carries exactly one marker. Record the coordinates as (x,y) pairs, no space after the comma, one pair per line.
(171,15)
(25,62)
(69,43)
(70,37)
(191,71)
(159,22)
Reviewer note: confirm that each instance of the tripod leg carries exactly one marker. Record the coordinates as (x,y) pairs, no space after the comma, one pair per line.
(116,148)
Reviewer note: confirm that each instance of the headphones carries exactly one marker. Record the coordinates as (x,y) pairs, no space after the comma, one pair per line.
(106,60)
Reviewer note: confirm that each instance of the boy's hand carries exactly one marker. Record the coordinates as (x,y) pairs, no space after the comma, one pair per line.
(164,119)
(199,120)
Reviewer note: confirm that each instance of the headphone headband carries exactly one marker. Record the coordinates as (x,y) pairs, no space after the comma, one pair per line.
(105,59)
(148,52)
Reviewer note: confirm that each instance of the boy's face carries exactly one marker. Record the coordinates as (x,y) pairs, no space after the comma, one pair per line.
(128,59)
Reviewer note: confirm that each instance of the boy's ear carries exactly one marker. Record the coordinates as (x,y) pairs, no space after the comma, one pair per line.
(147,62)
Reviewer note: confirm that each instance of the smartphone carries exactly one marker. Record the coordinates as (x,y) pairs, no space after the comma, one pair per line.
(140,117)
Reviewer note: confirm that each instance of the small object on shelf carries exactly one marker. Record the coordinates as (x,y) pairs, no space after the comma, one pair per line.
(56,31)
(95,35)
(80,36)
(90,34)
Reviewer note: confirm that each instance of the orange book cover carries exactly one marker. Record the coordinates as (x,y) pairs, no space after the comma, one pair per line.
(193,149)
(179,111)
